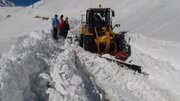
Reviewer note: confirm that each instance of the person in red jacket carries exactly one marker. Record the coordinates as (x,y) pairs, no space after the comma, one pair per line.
(66,27)
(61,26)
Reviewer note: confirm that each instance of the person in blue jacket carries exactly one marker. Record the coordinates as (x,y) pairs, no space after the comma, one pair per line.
(55,23)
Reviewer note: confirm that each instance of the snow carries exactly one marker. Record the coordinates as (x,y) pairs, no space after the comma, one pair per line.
(157,19)
(167,51)
(34,67)
(6,12)
(20,69)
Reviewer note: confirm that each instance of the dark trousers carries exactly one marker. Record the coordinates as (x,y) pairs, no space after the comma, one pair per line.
(65,33)
(55,33)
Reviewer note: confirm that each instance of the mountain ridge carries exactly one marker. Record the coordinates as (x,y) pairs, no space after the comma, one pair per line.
(6,3)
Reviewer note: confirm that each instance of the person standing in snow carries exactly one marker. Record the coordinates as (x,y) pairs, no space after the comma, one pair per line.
(55,22)
(61,26)
(66,27)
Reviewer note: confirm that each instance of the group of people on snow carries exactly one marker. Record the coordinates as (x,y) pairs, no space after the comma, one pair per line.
(60,26)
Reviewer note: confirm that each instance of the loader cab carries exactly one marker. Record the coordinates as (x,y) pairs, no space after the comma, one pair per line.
(103,14)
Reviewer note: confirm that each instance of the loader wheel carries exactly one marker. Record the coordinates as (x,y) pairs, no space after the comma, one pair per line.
(88,43)
(121,42)
(128,51)
(81,40)
(122,45)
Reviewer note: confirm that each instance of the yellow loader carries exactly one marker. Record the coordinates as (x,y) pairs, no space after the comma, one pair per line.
(98,36)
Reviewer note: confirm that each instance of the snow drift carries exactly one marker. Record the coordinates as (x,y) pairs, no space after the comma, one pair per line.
(75,74)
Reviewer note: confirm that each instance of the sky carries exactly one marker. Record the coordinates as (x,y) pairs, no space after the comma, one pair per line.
(23,2)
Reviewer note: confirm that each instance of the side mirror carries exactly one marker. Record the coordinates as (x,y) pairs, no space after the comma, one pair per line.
(113,14)
(116,25)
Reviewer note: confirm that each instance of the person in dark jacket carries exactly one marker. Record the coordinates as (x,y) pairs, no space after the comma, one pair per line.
(55,26)
(98,24)
(66,27)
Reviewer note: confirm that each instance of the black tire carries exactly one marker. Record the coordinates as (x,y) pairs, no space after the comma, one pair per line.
(128,51)
(120,40)
(88,43)
(81,40)
(122,45)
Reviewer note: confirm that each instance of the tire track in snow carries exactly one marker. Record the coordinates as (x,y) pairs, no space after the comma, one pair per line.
(93,92)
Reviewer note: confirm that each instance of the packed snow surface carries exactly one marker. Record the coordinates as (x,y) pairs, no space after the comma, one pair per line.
(7,12)
(34,67)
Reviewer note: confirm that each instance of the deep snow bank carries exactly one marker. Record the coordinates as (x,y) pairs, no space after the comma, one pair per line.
(160,60)
(20,68)
(157,19)
(68,86)
(162,75)
(117,82)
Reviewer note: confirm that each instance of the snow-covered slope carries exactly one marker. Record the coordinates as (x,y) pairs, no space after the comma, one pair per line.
(7,12)
(34,67)
(157,19)
(6,3)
